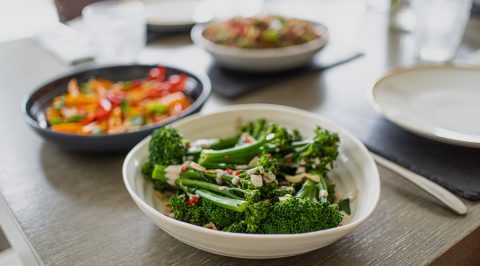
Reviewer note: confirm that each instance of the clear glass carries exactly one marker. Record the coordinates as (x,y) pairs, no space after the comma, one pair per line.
(439,27)
(117,30)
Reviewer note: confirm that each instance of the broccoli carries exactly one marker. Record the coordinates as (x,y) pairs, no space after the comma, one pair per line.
(260,128)
(257,129)
(166,147)
(255,214)
(237,227)
(281,192)
(190,213)
(307,211)
(219,216)
(320,152)
(187,178)
(278,139)
(241,183)
(268,163)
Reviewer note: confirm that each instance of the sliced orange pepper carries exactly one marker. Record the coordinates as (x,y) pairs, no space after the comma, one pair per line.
(107,84)
(72,128)
(80,99)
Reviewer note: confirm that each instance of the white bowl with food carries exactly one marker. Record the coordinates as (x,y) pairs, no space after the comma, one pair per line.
(261,44)
(354,174)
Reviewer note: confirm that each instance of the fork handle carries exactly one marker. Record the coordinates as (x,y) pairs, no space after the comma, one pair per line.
(443,195)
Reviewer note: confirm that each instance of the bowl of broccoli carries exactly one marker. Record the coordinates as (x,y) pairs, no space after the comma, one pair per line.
(253,181)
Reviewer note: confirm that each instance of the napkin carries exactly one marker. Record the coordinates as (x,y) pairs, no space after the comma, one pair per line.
(65,43)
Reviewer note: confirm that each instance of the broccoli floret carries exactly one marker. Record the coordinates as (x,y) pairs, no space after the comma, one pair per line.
(250,195)
(147,169)
(182,211)
(221,217)
(252,219)
(296,136)
(256,129)
(282,191)
(238,227)
(295,215)
(166,147)
(320,152)
(306,212)
(268,163)
(255,214)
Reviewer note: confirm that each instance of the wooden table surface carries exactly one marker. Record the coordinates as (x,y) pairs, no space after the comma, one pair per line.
(61,208)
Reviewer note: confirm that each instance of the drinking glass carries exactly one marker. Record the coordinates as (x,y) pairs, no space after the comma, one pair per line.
(117,30)
(439,27)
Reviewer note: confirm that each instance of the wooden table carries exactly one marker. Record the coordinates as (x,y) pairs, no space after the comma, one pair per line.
(64,208)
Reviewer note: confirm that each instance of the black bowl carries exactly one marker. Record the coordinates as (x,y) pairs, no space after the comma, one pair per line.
(34,105)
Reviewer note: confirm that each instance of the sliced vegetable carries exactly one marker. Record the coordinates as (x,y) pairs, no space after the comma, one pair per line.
(101,106)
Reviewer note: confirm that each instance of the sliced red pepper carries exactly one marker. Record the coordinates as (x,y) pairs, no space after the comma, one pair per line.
(157,73)
(229,171)
(136,83)
(183,169)
(236,172)
(89,118)
(103,109)
(154,93)
(115,97)
(177,82)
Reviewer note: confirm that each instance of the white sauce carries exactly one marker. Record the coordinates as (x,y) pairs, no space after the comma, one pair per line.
(172,173)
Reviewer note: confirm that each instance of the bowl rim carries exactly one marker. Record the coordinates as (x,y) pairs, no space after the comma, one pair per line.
(27,101)
(344,228)
(313,45)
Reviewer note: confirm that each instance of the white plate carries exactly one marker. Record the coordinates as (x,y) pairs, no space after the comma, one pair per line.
(262,60)
(355,169)
(176,14)
(438,102)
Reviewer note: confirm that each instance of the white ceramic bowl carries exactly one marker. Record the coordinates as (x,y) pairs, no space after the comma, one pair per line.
(355,170)
(261,60)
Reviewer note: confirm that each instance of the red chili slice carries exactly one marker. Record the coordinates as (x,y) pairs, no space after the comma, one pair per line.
(193,199)
(157,73)
(177,82)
